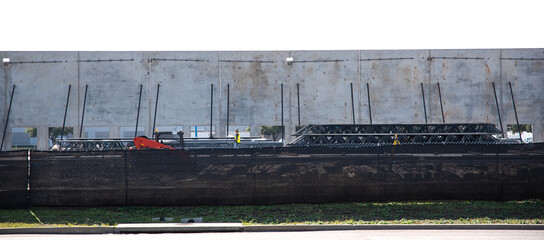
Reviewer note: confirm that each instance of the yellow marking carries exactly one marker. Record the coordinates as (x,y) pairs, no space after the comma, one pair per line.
(396,140)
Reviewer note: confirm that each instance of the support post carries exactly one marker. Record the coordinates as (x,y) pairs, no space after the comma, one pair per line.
(138,111)
(424,108)
(498,109)
(369,108)
(352,104)
(441,107)
(156,105)
(65,112)
(211,111)
(298,103)
(7,118)
(83,113)
(228,107)
(515,111)
(282,126)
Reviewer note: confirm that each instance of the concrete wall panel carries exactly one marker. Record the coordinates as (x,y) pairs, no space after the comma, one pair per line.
(324,78)
(524,69)
(113,80)
(42,80)
(465,78)
(254,80)
(184,96)
(394,79)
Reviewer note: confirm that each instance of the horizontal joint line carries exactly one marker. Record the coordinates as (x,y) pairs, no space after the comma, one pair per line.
(383,59)
(106,60)
(35,62)
(522,58)
(311,61)
(246,61)
(176,60)
(461,58)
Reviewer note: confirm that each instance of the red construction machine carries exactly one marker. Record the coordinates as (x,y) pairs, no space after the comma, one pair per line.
(142,142)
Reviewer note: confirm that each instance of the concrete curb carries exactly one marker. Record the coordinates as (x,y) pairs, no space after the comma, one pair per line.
(178,227)
(238,227)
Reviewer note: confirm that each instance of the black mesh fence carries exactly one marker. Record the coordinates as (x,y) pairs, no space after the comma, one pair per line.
(183,178)
(271,176)
(77,178)
(13,178)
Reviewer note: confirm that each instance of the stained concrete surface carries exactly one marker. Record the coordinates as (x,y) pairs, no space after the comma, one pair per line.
(394,78)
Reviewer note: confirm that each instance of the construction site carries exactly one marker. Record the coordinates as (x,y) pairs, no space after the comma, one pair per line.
(216,128)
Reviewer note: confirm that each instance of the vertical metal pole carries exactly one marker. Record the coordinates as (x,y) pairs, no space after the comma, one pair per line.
(138,113)
(156,105)
(7,118)
(282,126)
(498,110)
(441,107)
(83,113)
(298,103)
(352,104)
(515,111)
(211,111)
(424,108)
(65,112)
(369,108)
(228,107)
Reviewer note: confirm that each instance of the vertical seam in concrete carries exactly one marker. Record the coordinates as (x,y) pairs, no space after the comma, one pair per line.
(4,117)
(430,78)
(220,74)
(359,87)
(5,69)
(500,85)
(78,93)
(149,89)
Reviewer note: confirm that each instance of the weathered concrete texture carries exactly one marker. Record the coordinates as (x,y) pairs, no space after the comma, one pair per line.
(394,79)
(465,79)
(254,80)
(184,95)
(324,77)
(527,78)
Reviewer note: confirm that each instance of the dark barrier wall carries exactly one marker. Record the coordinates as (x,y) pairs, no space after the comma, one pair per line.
(177,178)
(13,178)
(77,179)
(283,175)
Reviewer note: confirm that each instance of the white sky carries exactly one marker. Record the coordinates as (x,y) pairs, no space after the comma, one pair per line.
(269,25)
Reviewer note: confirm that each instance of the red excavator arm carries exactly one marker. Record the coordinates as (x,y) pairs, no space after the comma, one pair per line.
(141,143)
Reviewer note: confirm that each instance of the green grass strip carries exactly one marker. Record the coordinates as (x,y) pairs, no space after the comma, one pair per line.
(410,212)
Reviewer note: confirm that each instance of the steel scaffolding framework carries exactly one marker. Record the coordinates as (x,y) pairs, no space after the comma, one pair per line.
(383,134)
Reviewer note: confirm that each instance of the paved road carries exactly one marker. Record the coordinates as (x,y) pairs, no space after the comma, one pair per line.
(325,235)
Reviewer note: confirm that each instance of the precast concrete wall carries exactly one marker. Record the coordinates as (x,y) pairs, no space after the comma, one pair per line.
(317,86)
